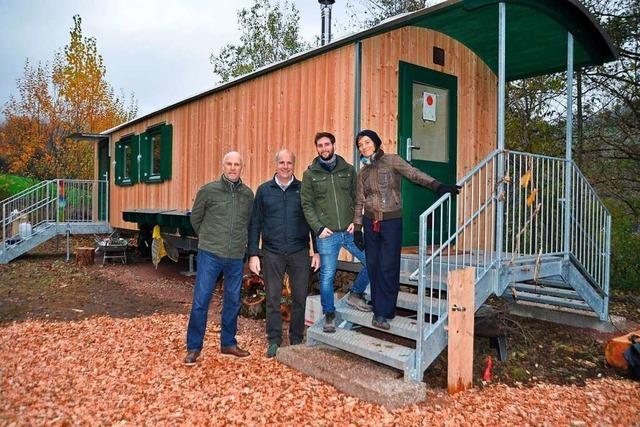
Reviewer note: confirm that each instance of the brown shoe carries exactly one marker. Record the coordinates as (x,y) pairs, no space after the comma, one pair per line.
(191,358)
(234,351)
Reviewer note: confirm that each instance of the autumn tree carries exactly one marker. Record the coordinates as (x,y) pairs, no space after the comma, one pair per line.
(270,33)
(54,100)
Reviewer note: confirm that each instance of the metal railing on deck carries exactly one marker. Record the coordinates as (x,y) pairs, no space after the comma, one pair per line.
(461,232)
(534,205)
(455,233)
(590,231)
(50,203)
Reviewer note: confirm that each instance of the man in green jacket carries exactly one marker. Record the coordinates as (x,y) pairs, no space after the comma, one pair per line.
(220,217)
(328,194)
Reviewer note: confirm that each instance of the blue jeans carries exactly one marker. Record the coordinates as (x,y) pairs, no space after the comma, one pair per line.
(209,268)
(329,248)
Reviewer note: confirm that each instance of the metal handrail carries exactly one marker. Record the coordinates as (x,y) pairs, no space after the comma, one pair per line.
(455,231)
(21,193)
(532,191)
(42,203)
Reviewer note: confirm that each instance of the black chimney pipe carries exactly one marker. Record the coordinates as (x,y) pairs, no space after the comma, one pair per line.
(325,16)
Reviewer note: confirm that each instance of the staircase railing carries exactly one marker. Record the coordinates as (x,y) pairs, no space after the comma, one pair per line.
(455,233)
(50,203)
(461,232)
(534,220)
(32,209)
(590,231)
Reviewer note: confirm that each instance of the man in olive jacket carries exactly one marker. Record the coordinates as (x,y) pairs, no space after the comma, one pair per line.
(328,194)
(220,217)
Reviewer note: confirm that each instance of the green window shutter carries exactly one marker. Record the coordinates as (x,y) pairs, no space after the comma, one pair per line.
(135,150)
(118,155)
(145,159)
(166,152)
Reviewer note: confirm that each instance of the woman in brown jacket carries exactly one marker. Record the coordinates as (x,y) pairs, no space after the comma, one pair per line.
(378,210)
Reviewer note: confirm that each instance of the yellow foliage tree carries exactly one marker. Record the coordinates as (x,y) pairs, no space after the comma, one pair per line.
(71,95)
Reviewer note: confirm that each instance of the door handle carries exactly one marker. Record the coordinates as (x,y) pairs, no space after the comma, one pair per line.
(410,149)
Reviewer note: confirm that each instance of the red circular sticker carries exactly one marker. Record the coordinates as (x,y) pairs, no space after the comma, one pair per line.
(429,100)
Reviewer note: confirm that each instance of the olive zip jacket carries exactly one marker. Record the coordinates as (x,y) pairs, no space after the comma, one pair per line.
(220,217)
(379,183)
(328,197)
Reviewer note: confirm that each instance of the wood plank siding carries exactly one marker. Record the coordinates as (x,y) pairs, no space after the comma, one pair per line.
(282,109)
(287,106)
(477,107)
(477,88)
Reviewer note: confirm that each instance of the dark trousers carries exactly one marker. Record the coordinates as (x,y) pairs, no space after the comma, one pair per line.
(297,266)
(383,263)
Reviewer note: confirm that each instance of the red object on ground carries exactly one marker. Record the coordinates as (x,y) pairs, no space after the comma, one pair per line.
(486,374)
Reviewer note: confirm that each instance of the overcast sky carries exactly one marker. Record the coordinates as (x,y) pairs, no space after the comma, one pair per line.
(159,50)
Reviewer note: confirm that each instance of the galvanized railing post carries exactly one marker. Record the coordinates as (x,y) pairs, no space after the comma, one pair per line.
(501,138)
(417,372)
(57,204)
(4,230)
(605,307)
(568,149)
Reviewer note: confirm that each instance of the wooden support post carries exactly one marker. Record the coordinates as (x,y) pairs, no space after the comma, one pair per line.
(461,291)
(85,256)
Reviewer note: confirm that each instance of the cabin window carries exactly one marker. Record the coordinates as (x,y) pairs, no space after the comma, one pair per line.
(155,155)
(156,149)
(126,160)
(430,123)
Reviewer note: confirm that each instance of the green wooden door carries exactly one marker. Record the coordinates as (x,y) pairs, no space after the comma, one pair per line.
(103,174)
(427,138)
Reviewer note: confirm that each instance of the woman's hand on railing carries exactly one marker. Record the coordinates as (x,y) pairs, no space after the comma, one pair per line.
(443,189)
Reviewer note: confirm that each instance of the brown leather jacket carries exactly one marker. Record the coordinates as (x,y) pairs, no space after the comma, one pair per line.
(378,187)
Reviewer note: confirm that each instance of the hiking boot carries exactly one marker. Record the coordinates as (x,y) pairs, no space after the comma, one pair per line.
(191,357)
(380,323)
(329,323)
(272,350)
(357,301)
(234,351)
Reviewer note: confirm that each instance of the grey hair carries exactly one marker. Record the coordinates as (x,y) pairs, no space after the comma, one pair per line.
(293,156)
(231,153)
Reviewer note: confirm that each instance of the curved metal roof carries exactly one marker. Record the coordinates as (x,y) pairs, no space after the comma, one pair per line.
(536,38)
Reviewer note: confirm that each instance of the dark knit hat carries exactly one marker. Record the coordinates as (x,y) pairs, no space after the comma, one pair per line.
(372,135)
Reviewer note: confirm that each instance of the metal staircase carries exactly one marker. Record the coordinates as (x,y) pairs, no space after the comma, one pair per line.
(50,208)
(512,224)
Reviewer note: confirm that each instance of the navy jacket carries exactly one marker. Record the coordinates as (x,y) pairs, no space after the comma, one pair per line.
(277,216)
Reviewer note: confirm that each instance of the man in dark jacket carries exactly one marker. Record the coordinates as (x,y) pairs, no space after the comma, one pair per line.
(277,217)
(220,217)
(328,193)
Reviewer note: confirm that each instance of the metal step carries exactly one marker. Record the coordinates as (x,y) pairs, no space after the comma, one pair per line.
(440,280)
(547,290)
(397,356)
(400,326)
(41,234)
(551,300)
(409,301)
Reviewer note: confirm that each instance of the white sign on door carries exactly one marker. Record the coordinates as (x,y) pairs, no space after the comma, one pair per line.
(429,106)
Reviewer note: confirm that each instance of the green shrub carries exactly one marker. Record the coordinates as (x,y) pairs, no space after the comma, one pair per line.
(12,184)
(625,247)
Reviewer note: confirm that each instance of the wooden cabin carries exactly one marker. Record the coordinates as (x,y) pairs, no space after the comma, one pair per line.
(380,79)
(432,84)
